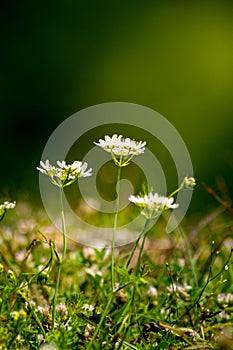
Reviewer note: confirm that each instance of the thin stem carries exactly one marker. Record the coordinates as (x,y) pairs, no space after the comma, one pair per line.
(101,321)
(124,316)
(63,225)
(130,303)
(187,246)
(60,261)
(112,260)
(174,192)
(209,279)
(105,313)
(140,254)
(136,242)
(56,293)
(115,225)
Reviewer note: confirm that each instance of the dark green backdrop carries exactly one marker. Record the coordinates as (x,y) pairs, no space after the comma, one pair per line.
(58,57)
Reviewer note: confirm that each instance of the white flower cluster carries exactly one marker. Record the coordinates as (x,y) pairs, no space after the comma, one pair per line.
(153,204)
(20,315)
(179,288)
(62,309)
(152,292)
(6,206)
(65,174)
(121,149)
(225,299)
(88,307)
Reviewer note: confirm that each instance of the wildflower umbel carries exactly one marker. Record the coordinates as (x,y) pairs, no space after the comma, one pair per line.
(65,174)
(122,149)
(4,207)
(152,204)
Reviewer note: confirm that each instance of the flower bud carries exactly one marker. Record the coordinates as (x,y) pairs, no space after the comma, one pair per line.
(188,183)
(11,277)
(42,278)
(19,315)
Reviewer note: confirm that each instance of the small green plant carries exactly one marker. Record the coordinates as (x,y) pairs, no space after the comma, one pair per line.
(62,176)
(122,152)
(4,207)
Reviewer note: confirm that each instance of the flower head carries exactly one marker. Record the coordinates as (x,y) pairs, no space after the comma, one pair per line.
(65,174)
(61,309)
(182,289)
(152,204)
(19,315)
(121,149)
(4,207)
(88,307)
(225,299)
(188,183)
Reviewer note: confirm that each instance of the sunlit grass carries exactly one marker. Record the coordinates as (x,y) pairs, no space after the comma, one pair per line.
(169,309)
(161,291)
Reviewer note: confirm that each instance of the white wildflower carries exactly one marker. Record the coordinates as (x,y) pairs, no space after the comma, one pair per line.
(88,307)
(20,315)
(121,149)
(30,304)
(6,206)
(65,174)
(224,315)
(61,308)
(89,253)
(181,262)
(153,204)
(89,330)
(43,309)
(225,299)
(179,288)
(93,271)
(152,292)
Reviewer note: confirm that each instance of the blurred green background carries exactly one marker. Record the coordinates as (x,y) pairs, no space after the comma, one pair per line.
(60,57)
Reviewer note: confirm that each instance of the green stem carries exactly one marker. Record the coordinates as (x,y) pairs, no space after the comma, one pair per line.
(136,242)
(140,254)
(187,246)
(123,316)
(130,303)
(104,314)
(112,260)
(59,261)
(101,321)
(63,225)
(56,293)
(115,225)
(174,192)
